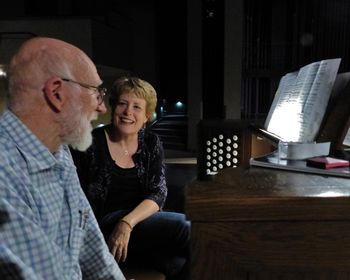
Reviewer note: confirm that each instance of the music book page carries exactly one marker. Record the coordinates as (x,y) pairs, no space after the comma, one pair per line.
(301,100)
(347,139)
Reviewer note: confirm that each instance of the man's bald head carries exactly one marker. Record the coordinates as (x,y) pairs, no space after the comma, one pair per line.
(47,92)
(40,58)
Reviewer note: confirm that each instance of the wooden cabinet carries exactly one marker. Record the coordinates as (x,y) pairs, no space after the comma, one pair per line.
(261,223)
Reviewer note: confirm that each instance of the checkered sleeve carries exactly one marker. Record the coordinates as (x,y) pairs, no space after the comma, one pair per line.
(25,251)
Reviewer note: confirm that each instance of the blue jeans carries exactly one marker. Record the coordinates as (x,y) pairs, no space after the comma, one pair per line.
(161,241)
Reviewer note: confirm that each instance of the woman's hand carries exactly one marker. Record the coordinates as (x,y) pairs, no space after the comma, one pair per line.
(118,241)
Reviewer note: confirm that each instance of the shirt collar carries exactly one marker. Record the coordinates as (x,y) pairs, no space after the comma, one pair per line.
(36,154)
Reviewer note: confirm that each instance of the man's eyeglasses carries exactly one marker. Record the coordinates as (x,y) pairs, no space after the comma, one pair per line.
(101,90)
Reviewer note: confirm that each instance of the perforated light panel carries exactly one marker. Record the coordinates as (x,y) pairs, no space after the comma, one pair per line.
(222,144)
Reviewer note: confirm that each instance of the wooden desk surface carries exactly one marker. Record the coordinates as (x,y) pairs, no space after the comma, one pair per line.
(268,224)
(268,194)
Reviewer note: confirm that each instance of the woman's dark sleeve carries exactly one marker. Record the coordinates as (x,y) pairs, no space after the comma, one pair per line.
(156,172)
(82,163)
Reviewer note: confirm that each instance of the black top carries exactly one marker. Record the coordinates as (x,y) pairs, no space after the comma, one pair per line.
(109,187)
(125,190)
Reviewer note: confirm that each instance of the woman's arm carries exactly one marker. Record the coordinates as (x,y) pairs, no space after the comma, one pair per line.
(142,211)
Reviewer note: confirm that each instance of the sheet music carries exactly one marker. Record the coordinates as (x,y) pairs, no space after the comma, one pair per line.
(347,139)
(286,81)
(301,101)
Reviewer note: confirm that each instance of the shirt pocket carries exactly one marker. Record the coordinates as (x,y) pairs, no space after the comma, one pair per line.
(79,231)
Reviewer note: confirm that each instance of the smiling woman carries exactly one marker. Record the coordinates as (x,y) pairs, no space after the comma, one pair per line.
(123,175)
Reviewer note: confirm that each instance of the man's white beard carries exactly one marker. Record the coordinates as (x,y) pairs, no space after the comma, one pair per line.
(81,138)
(80,128)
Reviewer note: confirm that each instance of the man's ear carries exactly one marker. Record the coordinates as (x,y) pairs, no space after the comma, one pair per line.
(53,93)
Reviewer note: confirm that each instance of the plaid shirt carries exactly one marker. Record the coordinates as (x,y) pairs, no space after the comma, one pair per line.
(50,232)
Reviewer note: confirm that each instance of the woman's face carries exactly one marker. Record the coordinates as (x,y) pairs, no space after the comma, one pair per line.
(129,114)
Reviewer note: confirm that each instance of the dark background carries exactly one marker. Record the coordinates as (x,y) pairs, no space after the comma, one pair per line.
(278,36)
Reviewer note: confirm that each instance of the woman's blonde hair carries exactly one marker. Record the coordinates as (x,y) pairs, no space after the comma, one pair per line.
(139,87)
